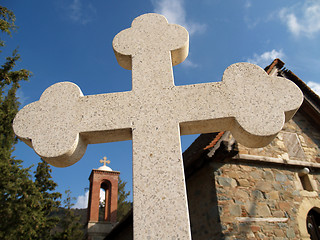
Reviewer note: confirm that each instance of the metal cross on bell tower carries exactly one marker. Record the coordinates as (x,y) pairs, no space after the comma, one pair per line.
(105,161)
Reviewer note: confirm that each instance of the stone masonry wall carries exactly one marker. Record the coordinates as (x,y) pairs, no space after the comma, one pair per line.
(308,139)
(223,193)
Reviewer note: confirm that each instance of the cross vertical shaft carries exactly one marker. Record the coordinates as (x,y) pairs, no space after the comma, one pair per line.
(149,72)
(159,184)
(161,164)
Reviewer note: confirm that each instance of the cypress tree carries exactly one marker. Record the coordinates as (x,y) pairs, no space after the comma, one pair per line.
(70,226)
(19,215)
(124,205)
(48,200)
(24,205)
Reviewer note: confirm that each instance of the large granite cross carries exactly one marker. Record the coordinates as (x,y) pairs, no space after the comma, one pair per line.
(248,102)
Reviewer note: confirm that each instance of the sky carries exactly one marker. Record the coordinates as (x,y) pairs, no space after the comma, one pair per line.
(71,40)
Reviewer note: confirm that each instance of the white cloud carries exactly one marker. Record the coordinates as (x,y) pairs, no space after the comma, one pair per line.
(189,63)
(80,11)
(174,11)
(266,58)
(21,97)
(315,87)
(302,19)
(82,200)
(247,4)
(251,23)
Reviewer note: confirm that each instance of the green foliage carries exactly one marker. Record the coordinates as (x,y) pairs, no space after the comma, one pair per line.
(124,206)
(19,205)
(9,84)
(7,19)
(48,199)
(25,206)
(71,228)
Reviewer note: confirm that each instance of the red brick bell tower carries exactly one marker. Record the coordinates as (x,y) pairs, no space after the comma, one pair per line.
(107,179)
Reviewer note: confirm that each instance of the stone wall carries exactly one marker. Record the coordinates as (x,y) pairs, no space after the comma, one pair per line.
(304,148)
(235,199)
(224,196)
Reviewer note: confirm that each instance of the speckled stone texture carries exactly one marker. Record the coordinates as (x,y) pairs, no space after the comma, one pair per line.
(248,102)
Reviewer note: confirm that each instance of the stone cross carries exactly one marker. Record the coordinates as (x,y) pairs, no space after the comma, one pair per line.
(105,161)
(248,102)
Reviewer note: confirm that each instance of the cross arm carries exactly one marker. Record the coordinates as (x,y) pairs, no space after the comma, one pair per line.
(106,117)
(251,104)
(63,122)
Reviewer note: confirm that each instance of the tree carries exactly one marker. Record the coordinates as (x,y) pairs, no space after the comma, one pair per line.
(49,199)
(19,206)
(71,228)
(9,84)
(124,206)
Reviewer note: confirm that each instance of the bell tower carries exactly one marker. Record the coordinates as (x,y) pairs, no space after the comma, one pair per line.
(102,216)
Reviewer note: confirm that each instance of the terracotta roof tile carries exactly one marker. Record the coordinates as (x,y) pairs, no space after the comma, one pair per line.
(214,141)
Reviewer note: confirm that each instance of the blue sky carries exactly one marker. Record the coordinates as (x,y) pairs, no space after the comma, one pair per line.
(62,40)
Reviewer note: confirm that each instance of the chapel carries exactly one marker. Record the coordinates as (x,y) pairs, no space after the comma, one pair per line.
(235,192)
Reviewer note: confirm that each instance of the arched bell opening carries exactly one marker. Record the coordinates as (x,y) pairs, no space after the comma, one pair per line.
(103,196)
(105,201)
